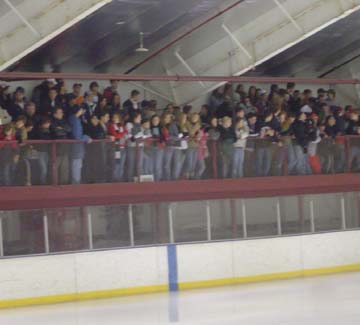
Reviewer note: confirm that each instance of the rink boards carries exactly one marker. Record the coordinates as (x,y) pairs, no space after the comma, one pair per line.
(102,274)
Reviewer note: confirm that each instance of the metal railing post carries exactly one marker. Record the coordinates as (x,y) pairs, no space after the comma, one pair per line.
(131,225)
(312,218)
(1,235)
(171,224)
(46,233)
(278,217)
(54,163)
(343,212)
(244,222)
(90,231)
(208,220)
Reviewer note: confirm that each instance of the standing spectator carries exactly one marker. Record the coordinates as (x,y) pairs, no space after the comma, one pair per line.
(77,93)
(301,144)
(247,106)
(132,105)
(94,92)
(264,150)
(40,92)
(9,157)
(5,97)
(49,103)
(228,138)
(118,131)
(111,91)
(242,132)
(43,133)
(95,161)
(60,130)
(5,118)
(354,129)
(78,149)
(134,149)
(215,101)
(159,148)
(102,107)
(193,126)
(146,164)
(17,107)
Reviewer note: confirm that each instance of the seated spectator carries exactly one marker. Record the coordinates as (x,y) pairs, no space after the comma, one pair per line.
(78,149)
(247,106)
(5,118)
(102,107)
(17,106)
(115,107)
(94,92)
(132,105)
(111,91)
(89,107)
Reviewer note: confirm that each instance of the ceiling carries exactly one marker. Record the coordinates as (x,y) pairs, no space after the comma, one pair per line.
(92,44)
(319,55)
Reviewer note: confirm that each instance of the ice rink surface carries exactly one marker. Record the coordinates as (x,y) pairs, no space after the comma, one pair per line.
(320,300)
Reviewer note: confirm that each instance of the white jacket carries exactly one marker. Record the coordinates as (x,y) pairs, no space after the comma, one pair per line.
(5,118)
(241,136)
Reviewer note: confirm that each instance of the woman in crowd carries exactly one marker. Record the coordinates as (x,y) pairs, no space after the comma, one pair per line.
(119,133)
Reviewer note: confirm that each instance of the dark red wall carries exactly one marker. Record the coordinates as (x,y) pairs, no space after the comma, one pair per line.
(123,193)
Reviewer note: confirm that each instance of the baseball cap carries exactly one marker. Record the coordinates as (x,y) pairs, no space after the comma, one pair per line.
(20,90)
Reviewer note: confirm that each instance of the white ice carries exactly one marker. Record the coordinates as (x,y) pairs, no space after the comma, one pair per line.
(320,300)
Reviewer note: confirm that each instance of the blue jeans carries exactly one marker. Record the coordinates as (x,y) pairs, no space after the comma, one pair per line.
(301,159)
(190,161)
(200,168)
(9,174)
(44,166)
(119,166)
(76,169)
(147,165)
(173,163)
(238,163)
(134,162)
(263,161)
(355,156)
(157,163)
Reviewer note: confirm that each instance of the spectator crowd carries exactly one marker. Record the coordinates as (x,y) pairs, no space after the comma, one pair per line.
(246,132)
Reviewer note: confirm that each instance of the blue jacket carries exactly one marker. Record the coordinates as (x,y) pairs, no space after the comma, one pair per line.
(77,133)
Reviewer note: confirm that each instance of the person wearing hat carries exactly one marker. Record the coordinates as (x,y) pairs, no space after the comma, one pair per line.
(17,106)
(77,149)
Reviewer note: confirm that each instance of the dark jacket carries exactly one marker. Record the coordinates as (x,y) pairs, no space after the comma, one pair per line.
(300,133)
(96,131)
(16,110)
(47,107)
(60,129)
